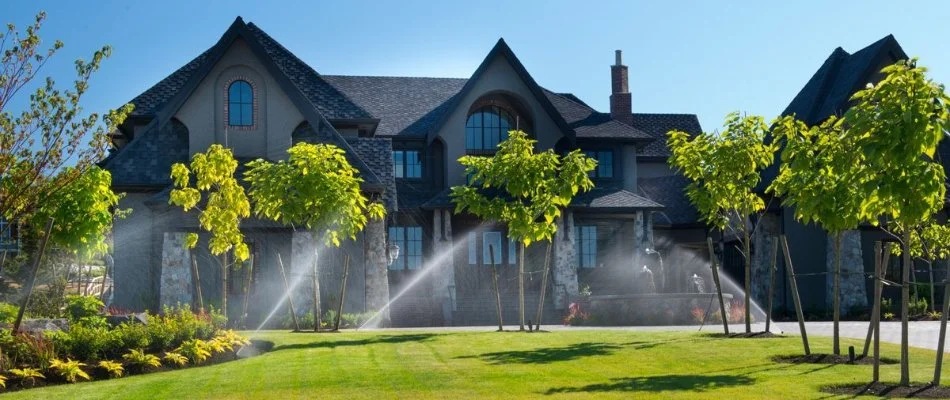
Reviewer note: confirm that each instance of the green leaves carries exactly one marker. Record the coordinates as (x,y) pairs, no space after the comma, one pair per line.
(226,202)
(724,169)
(316,187)
(522,188)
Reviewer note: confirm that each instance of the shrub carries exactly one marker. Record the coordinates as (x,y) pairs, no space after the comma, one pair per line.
(3,381)
(82,342)
(232,338)
(217,345)
(27,349)
(27,374)
(47,302)
(127,336)
(699,314)
(175,359)
(737,312)
(935,315)
(113,368)
(196,350)
(84,310)
(70,370)
(141,359)
(886,305)
(575,315)
(888,316)
(8,313)
(917,307)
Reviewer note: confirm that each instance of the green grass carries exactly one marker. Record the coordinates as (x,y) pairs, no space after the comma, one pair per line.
(561,364)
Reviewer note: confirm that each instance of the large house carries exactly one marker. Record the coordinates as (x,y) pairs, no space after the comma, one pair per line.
(404,134)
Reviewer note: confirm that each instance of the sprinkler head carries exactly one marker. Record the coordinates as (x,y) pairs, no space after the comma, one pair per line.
(650,250)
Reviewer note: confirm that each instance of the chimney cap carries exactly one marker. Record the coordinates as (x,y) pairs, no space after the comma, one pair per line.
(618,57)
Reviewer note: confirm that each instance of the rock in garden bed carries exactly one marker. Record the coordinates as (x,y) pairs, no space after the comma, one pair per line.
(829,359)
(917,391)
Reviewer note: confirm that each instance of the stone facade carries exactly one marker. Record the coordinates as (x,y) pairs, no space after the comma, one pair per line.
(762,238)
(302,258)
(853,289)
(176,287)
(377,276)
(444,275)
(565,262)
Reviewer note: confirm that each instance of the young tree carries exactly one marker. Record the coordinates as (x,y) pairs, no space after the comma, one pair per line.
(532,188)
(898,124)
(50,143)
(225,207)
(724,169)
(823,178)
(316,188)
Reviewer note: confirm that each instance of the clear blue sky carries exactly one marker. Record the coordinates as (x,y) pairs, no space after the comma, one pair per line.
(686,57)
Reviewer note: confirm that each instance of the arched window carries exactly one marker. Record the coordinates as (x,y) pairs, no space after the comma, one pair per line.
(240,104)
(486,127)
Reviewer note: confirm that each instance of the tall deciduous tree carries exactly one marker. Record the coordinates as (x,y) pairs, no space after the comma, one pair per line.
(823,178)
(50,142)
(316,188)
(225,207)
(526,190)
(898,124)
(724,170)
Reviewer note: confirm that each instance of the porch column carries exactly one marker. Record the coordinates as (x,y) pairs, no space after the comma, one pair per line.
(767,231)
(639,234)
(377,276)
(565,261)
(302,257)
(444,282)
(175,287)
(853,288)
(648,229)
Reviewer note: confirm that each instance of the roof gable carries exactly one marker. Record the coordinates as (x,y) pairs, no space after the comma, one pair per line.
(501,49)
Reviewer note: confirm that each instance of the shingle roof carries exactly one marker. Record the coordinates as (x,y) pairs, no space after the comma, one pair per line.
(613,198)
(657,125)
(671,192)
(588,123)
(405,106)
(147,160)
(150,100)
(377,154)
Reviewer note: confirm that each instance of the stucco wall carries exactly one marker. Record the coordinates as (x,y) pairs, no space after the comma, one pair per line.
(133,279)
(629,165)
(498,77)
(274,119)
(653,169)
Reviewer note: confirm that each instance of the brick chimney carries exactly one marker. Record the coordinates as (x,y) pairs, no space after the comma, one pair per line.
(621,105)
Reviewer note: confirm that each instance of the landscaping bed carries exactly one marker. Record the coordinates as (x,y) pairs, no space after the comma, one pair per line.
(890,390)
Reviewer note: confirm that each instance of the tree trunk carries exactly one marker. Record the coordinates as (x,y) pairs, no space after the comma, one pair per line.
(339,311)
(790,273)
(905,300)
(194,271)
(836,301)
(942,339)
(768,310)
(316,292)
(247,288)
(933,295)
(520,285)
(290,296)
(748,280)
(224,287)
(715,273)
(544,286)
(876,310)
(31,280)
(494,282)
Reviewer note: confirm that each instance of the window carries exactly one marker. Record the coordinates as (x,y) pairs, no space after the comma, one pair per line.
(512,251)
(240,104)
(409,240)
(586,242)
(605,164)
(490,240)
(407,164)
(486,127)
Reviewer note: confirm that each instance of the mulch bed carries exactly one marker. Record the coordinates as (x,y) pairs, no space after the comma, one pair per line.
(830,359)
(98,374)
(917,391)
(743,335)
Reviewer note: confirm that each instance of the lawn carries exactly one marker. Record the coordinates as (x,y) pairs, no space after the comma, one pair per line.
(562,364)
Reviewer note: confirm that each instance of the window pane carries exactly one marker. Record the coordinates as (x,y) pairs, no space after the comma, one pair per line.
(472,251)
(397,163)
(413,165)
(247,114)
(247,95)
(491,240)
(512,251)
(605,167)
(414,247)
(234,114)
(234,93)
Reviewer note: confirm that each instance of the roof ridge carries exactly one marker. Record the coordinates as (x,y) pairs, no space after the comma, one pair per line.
(393,77)
(592,109)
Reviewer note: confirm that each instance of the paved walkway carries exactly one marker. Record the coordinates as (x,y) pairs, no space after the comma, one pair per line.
(923,334)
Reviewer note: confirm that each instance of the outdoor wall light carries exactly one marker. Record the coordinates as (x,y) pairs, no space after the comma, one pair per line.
(392,251)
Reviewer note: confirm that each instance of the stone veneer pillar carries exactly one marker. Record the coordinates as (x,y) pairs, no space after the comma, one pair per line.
(565,261)
(648,230)
(302,256)
(444,275)
(853,287)
(767,231)
(175,288)
(377,276)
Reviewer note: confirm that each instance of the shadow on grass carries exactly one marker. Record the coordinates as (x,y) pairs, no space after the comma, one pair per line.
(387,339)
(548,355)
(694,383)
